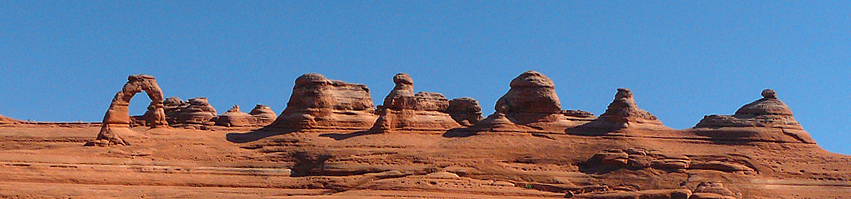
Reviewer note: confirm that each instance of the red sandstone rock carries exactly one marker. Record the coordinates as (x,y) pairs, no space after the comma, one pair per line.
(530,92)
(117,119)
(404,110)
(317,102)
(713,190)
(625,112)
(263,114)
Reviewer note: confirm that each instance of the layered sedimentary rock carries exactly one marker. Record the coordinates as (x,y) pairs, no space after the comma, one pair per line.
(317,102)
(766,119)
(194,111)
(402,109)
(6,120)
(466,111)
(713,190)
(532,104)
(261,115)
(623,112)
(116,121)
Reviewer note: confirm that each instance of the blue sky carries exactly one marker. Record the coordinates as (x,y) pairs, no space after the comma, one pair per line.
(63,61)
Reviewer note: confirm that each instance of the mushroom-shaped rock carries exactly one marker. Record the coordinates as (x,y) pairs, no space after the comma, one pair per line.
(318,102)
(530,92)
(713,190)
(624,110)
(767,119)
(421,111)
(263,114)
(116,121)
(234,117)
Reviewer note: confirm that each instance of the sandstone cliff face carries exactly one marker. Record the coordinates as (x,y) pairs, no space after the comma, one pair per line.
(404,110)
(317,102)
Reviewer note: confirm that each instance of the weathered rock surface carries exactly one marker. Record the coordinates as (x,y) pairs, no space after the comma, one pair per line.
(261,115)
(7,120)
(766,119)
(195,111)
(624,113)
(531,92)
(713,190)
(532,104)
(402,109)
(466,111)
(317,102)
(116,121)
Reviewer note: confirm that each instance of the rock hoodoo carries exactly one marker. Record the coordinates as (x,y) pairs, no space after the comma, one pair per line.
(764,119)
(263,114)
(116,121)
(402,109)
(531,92)
(317,102)
(195,111)
(466,111)
(625,112)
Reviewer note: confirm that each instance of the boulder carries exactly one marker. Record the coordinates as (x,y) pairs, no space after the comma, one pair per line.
(318,102)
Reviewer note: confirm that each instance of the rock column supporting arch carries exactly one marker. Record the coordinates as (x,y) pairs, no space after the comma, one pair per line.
(116,121)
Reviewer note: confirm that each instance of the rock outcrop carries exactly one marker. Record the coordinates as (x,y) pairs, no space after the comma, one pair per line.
(320,103)
(402,109)
(623,112)
(531,92)
(195,111)
(116,121)
(713,190)
(767,119)
(261,115)
(466,111)
(7,120)
(532,104)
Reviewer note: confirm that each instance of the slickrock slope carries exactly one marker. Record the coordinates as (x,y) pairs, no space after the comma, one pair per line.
(321,147)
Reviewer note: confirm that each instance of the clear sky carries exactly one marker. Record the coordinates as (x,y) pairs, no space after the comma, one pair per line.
(64,60)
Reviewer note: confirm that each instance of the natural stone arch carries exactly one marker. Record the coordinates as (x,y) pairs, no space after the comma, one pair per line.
(116,121)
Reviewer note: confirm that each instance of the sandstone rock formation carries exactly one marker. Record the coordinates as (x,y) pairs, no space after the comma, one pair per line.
(116,121)
(623,111)
(6,120)
(402,109)
(233,117)
(466,111)
(764,119)
(320,103)
(261,115)
(712,190)
(531,92)
(532,104)
(195,111)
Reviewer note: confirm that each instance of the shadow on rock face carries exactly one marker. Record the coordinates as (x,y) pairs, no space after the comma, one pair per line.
(343,136)
(254,135)
(459,132)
